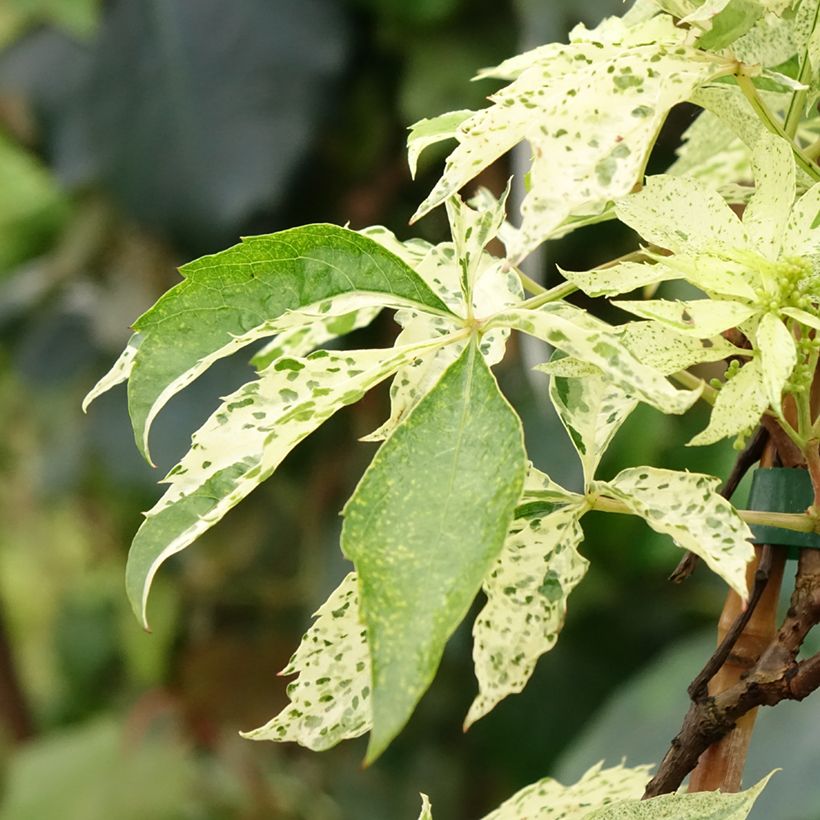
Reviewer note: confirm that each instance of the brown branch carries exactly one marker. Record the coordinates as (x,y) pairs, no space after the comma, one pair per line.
(775,677)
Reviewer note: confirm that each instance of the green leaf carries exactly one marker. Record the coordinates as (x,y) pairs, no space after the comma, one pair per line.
(739,405)
(527,591)
(695,806)
(688,507)
(231,298)
(429,131)
(729,21)
(778,356)
(330,698)
(554,103)
(244,441)
(594,342)
(702,318)
(425,525)
(318,329)
(119,372)
(592,409)
(598,787)
(426,808)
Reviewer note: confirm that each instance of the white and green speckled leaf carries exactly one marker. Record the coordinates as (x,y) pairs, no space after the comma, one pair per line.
(695,806)
(802,236)
(583,337)
(330,698)
(725,21)
(592,409)
(802,316)
(778,356)
(527,591)
(550,800)
(244,293)
(584,153)
(317,329)
(702,318)
(541,489)
(429,131)
(424,526)
(658,345)
(242,444)
(471,229)
(687,507)
(119,372)
(767,213)
(621,278)
(682,215)
(739,405)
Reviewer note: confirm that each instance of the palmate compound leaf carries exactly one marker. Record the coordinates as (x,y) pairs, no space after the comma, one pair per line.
(688,507)
(244,293)
(330,698)
(694,806)
(527,591)
(425,525)
(245,440)
(492,287)
(554,103)
(582,337)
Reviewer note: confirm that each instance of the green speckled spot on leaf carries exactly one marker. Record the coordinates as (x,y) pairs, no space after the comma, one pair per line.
(425,525)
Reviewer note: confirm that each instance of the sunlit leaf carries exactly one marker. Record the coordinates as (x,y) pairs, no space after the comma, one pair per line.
(527,591)
(739,405)
(231,298)
(244,441)
(330,698)
(688,507)
(696,806)
(598,787)
(428,132)
(425,525)
(554,104)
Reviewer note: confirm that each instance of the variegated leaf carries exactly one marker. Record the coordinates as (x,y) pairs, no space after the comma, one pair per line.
(579,335)
(527,591)
(658,345)
(682,215)
(234,297)
(550,800)
(702,318)
(244,441)
(471,229)
(424,526)
(592,409)
(620,278)
(741,402)
(694,806)
(553,103)
(802,316)
(330,698)
(778,356)
(317,329)
(426,808)
(540,489)
(429,131)
(119,372)
(687,507)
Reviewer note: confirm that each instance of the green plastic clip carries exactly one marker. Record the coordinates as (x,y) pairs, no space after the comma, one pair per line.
(787,490)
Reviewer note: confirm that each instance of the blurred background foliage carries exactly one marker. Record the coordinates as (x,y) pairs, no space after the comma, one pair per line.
(134,136)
